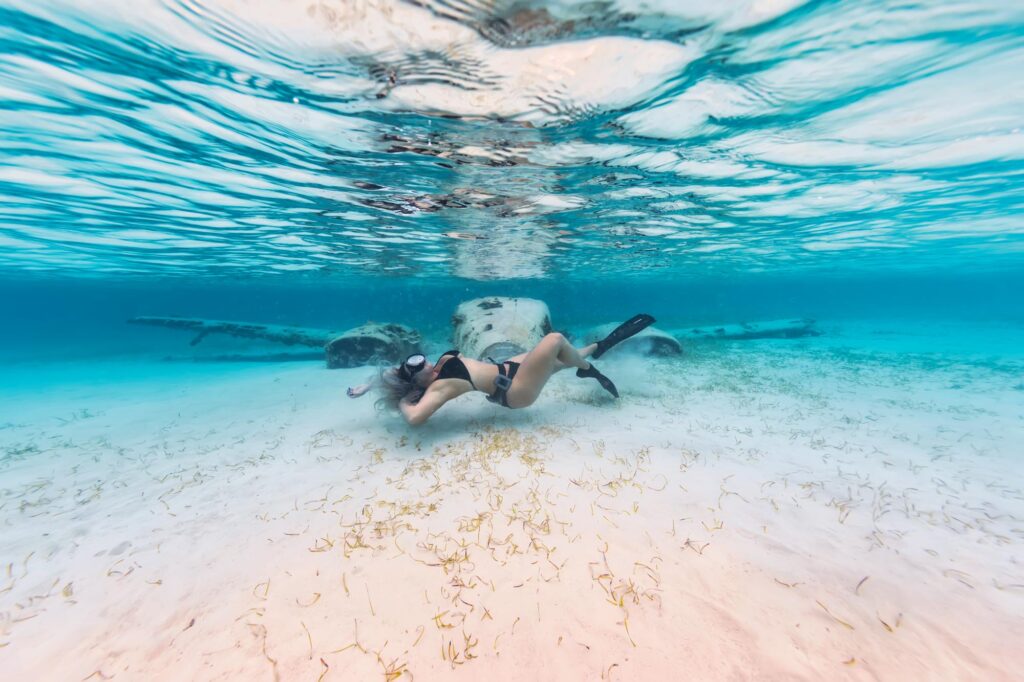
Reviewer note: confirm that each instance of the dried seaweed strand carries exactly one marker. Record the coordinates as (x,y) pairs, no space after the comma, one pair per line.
(369,600)
(316,598)
(309,638)
(834,617)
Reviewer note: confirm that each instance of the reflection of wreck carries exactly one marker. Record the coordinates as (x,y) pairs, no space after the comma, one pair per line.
(492,327)
(515,252)
(495,153)
(478,194)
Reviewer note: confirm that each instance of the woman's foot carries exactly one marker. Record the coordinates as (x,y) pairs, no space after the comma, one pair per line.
(630,327)
(592,373)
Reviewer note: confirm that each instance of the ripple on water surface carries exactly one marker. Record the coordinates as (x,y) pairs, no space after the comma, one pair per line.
(491,140)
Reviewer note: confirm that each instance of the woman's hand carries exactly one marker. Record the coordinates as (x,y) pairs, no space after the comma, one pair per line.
(357,391)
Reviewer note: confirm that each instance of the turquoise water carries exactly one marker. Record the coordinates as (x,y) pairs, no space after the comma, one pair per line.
(325,163)
(488,141)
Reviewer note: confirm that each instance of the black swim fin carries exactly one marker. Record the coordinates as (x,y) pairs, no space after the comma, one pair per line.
(592,373)
(625,330)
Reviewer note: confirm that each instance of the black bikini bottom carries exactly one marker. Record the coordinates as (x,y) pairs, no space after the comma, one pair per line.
(503,382)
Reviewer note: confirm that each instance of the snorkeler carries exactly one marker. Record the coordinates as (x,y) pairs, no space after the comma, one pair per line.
(418,388)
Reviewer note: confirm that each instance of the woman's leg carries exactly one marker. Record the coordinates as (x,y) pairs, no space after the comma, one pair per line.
(584,352)
(553,353)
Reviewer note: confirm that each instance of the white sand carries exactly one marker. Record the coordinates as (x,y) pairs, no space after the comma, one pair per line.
(769,511)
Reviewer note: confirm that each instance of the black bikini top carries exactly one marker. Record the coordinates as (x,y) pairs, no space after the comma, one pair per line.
(454,368)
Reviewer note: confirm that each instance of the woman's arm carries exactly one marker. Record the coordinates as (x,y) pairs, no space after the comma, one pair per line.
(362,389)
(418,412)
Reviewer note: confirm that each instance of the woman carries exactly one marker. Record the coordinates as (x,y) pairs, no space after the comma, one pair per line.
(418,388)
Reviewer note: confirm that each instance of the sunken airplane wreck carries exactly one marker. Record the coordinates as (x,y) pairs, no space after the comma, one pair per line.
(495,326)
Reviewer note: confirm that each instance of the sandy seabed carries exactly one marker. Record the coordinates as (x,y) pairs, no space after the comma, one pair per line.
(771,511)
